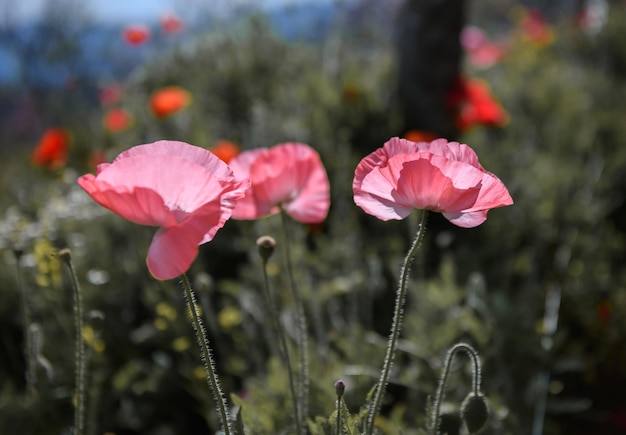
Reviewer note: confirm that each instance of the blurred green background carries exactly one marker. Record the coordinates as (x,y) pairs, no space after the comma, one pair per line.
(538,289)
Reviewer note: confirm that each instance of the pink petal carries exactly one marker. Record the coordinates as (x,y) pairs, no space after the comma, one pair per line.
(182,184)
(139,205)
(433,182)
(467,220)
(312,203)
(290,175)
(246,207)
(419,180)
(172,252)
(209,161)
(373,190)
(493,193)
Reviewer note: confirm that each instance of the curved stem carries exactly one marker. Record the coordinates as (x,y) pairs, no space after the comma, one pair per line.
(283,346)
(396,325)
(207,358)
(79,414)
(301,328)
(444,378)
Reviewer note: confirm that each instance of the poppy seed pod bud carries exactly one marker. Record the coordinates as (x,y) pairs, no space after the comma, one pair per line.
(65,255)
(340,387)
(266,245)
(474,412)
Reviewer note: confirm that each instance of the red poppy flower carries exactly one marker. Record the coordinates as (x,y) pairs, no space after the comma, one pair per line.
(136,34)
(110,95)
(225,150)
(290,176)
(184,190)
(171,23)
(168,101)
(534,29)
(473,103)
(420,136)
(116,120)
(440,176)
(52,150)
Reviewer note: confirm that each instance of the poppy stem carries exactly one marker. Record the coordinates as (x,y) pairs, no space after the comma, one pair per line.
(284,349)
(434,420)
(31,373)
(207,359)
(340,388)
(79,399)
(396,324)
(301,328)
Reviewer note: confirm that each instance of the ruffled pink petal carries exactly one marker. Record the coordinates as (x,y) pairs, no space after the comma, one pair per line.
(312,203)
(139,205)
(183,184)
(453,151)
(373,190)
(215,214)
(290,175)
(246,207)
(436,183)
(467,220)
(172,252)
(419,180)
(493,194)
(168,148)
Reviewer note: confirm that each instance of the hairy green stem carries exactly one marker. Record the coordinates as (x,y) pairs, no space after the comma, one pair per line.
(340,387)
(396,325)
(31,365)
(207,358)
(283,347)
(79,414)
(469,350)
(301,327)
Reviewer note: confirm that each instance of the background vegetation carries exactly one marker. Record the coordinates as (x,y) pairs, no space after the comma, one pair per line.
(538,290)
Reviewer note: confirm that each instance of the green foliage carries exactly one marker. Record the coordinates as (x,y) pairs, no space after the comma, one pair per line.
(560,156)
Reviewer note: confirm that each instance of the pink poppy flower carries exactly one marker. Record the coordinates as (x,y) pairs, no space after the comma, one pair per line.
(290,176)
(184,190)
(440,176)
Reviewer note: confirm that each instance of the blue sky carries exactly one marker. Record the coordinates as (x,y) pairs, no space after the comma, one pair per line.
(130,10)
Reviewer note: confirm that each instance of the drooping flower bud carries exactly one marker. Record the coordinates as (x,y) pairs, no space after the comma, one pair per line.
(475,412)
(266,245)
(340,387)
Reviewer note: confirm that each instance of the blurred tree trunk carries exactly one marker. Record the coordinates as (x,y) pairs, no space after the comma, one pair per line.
(429,59)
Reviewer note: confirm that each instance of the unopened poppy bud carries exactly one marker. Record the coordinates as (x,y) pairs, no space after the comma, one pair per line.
(475,412)
(266,245)
(18,251)
(65,255)
(340,387)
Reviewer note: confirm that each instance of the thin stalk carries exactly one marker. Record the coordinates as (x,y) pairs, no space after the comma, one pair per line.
(301,328)
(31,364)
(283,347)
(340,388)
(207,358)
(79,413)
(396,325)
(444,378)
